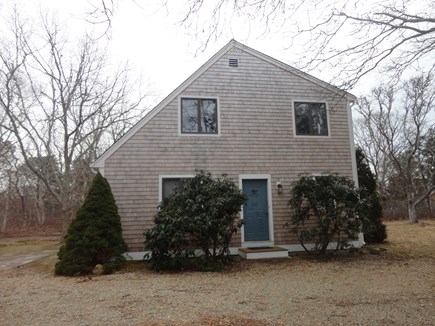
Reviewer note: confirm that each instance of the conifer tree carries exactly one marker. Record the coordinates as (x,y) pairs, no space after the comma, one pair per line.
(95,235)
(373,228)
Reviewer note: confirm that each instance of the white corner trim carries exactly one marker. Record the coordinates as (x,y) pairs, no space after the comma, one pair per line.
(352,144)
(95,170)
(361,241)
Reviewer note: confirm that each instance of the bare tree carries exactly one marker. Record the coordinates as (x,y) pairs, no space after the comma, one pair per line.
(60,99)
(399,134)
(425,169)
(369,138)
(357,36)
(6,172)
(101,13)
(8,159)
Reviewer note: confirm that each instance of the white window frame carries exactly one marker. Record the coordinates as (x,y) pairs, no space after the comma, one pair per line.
(314,175)
(180,133)
(320,174)
(327,119)
(170,176)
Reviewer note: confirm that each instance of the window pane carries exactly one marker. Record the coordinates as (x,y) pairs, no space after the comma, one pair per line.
(189,115)
(168,185)
(319,121)
(311,119)
(302,122)
(208,116)
(199,116)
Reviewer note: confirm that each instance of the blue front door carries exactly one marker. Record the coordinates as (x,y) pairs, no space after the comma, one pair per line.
(255,211)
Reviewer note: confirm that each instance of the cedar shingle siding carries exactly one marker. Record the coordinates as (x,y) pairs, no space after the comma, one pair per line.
(256,136)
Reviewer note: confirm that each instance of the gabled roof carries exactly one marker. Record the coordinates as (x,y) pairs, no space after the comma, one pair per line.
(99,163)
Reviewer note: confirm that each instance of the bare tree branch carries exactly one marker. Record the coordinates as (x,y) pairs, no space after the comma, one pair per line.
(399,130)
(358,36)
(61,103)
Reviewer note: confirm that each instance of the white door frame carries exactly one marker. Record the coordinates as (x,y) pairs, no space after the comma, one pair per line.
(270,242)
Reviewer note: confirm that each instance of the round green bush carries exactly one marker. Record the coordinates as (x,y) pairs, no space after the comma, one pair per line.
(201,214)
(325,209)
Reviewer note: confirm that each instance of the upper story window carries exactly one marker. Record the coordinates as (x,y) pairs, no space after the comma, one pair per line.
(199,116)
(311,119)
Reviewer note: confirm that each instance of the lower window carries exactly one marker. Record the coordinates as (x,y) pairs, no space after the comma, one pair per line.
(168,185)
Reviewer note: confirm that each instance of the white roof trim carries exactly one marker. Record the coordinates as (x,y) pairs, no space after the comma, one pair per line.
(100,161)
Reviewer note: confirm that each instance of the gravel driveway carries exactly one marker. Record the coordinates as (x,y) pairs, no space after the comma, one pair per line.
(8,261)
(394,288)
(287,292)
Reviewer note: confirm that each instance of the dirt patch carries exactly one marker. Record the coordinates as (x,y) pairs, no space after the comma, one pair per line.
(222,321)
(396,286)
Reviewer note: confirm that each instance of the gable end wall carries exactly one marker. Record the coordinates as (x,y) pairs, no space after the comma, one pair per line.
(256,137)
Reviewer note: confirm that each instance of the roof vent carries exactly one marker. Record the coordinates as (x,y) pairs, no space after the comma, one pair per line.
(233,63)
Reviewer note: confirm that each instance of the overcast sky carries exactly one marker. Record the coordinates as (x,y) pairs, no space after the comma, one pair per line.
(150,38)
(166,52)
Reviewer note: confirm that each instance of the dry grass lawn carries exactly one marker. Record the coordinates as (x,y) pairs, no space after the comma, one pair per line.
(411,241)
(25,245)
(394,287)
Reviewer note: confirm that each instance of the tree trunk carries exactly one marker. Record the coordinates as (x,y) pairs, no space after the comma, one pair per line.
(40,206)
(5,214)
(23,209)
(429,205)
(412,216)
(66,220)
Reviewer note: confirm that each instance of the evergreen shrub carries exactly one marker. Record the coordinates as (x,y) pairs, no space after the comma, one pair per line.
(202,213)
(94,236)
(372,227)
(325,209)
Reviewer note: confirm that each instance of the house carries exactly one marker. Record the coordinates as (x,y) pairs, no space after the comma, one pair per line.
(244,114)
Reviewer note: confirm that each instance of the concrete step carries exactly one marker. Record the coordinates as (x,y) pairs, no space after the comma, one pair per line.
(263,252)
